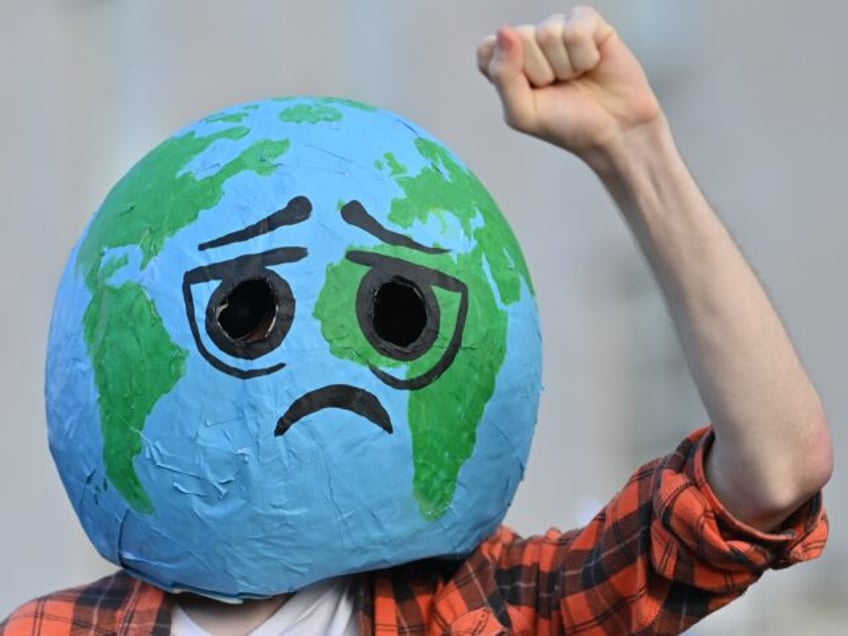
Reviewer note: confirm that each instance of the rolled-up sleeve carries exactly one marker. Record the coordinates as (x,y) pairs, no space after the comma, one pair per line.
(695,540)
(667,552)
(663,554)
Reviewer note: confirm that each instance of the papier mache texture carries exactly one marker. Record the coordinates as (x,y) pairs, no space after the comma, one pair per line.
(297,340)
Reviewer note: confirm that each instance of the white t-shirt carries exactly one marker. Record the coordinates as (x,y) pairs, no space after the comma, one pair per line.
(326,608)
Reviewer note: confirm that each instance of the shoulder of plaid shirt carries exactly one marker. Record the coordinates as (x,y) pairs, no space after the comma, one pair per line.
(689,532)
(661,555)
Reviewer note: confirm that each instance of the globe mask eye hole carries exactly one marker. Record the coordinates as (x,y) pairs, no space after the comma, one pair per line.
(400,315)
(248,313)
(248,318)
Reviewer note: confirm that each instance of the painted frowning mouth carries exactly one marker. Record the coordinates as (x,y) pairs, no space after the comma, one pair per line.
(339,396)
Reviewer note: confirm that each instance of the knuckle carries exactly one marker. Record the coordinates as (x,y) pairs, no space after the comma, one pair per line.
(576,34)
(548,34)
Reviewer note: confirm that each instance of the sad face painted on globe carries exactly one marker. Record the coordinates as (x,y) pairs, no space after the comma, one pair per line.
(297,340)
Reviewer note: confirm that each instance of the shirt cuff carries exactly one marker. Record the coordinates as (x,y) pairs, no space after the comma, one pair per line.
(693,527)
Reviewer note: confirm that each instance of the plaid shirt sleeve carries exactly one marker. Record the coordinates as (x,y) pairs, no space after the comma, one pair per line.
(663,554)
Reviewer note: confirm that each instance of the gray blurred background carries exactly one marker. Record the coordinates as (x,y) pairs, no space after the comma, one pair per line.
(756,91)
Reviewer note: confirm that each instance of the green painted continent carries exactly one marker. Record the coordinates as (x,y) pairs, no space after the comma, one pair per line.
(135,360)
(443,416)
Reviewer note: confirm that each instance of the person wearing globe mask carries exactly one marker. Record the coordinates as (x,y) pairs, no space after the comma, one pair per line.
(689,532)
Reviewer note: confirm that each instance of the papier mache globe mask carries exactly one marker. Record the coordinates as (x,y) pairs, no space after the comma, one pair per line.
(297,340)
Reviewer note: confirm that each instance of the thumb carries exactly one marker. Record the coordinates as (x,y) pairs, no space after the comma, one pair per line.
(506,71)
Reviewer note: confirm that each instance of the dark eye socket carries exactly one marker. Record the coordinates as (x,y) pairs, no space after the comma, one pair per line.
(398,315)
(249,312)
(247,317)
(399,312)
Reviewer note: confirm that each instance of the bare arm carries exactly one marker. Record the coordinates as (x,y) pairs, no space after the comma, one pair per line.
(572,81)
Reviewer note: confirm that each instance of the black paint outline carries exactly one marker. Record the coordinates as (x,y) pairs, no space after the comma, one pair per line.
(340,396)
(354,213)
(238,270)
(396,267)
(297,210)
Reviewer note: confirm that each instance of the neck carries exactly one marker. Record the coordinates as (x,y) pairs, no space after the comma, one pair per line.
(223,619)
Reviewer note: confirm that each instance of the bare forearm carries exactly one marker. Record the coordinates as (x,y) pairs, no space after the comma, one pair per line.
(571,81)
(772,448)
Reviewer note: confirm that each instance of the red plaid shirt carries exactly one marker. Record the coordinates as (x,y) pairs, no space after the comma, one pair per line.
(662,555)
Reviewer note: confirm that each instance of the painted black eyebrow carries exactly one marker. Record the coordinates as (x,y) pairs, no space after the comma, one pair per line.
(355,214)
(296,211)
